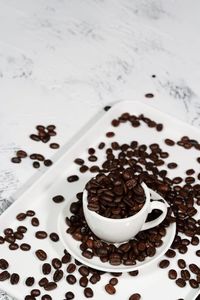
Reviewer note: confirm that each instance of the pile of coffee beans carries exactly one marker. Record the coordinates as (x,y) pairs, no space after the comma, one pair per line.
(116,195)
(44,134)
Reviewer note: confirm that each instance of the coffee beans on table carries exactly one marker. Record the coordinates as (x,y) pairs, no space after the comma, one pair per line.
(135,296)
(41,254)
(58,199)
(3,264)
(30,281)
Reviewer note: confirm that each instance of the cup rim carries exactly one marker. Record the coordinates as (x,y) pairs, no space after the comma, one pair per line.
(100,217)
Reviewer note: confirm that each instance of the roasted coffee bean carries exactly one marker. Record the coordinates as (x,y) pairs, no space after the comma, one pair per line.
(58,199)
(35,293)
(36,164)
(194,284)
(83,169)
(22,229)
(58,275)
(9,239)
(180,282)
(94,169)
(72,178)
(66,258)
(21,216)
(195,240)
(181,263)
(71,279)
(4,275)
(107,107)
(84,271)
(133,273)
(43,281)
(29,297)
(198,253)
(35,222)
(69,296)
(88,254)
(30,213)
(51,127)
(164,263)
(41,235)
(16,160)
(172,274)
(83,281)
(115,122)
(50,286)
(172,165)
(79,161)
(40,127)
(110,289)
(185,274)
(3,264)
(46,269)
(92,158)
(25,247)
(21,154)
(149,95)
(33,156)
(8,231)
(101,145)
(113,281)
(169,142)
(56,263)
(14,278)
(170,253)
(13,246)
(194,268)
(34,137)
(135,296)
(40,157)
(95,278)
(54,237)
(183,249)
(46,297)
(190,172)
(54,145)
(91,151)
(41,254)
(48,162)
(88,292)
(159,127)
(71,268)
(30,281)
(1,240)
(110,134)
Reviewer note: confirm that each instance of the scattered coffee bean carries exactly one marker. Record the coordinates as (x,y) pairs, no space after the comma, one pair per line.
(149,95)
(35,222)
(16,160)
(194,284)
(48,162)
(14,278)
(41,234)
(1,240)
(72,178)
(133,273)
(170,253)
(198,253)
(46,269)
(135,296)
(83,169)
(30,281)
(4,264)
(107,107)
(21,154)
(172,165)
(58,199)
(36,164)
(110,289)
(35,293)
(71,279)
(169,142)
(13,246)
(181,263)
(84,271)
(69,295)
(101,145)
(22,229)
(113,281)
(4,275)
(159,127)
(30,213)
(172,274)
(194,269)
(25,247)
(54,146)
(71,268)
(110,134)
(58,275)
(46,297)
(195,240)
(56,263)
(88,292)
(41,254)
(50,286)
(79,161)
(180,282)
(91,151)
(21,216)
(43,281)
(164,263)
(185,274)
(34,137)
(54,237)
(83,281)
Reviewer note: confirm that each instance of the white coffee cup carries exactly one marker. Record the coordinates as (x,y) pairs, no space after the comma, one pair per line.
(122,230)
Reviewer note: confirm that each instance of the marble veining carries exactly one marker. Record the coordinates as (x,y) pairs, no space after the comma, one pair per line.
(63,61)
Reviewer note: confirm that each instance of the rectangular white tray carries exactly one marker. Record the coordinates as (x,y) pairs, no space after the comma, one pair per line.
(152,282)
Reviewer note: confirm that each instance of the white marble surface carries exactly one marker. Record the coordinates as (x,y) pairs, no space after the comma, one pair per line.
(61,61)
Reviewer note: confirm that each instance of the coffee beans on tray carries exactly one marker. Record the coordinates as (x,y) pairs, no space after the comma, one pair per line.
(116,195)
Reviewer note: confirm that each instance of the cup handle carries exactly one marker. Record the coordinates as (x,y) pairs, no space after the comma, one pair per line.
(155,204)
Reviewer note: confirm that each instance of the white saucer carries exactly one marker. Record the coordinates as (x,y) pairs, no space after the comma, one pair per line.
(72,246)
